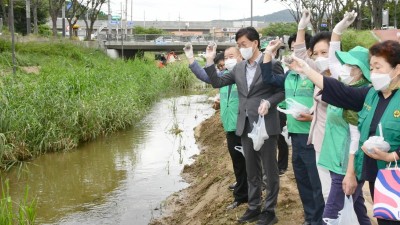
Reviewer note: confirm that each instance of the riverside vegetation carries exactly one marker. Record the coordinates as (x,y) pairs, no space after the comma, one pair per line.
(64,94)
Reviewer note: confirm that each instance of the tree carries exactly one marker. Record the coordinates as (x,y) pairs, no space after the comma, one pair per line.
(91,15)
(75,10)
(376,7)
(55,7)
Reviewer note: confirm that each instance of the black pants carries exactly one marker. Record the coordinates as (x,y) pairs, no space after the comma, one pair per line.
(381,221)
(283,154)
(239,167)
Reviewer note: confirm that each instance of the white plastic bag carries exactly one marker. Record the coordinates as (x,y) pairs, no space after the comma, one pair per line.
(294,108)
(239,149)
(347,216)
(259,133)
(377,142)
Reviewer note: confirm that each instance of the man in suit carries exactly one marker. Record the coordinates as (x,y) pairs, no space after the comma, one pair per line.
(251,90)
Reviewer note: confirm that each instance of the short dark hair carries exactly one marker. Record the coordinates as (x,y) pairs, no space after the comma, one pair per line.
(251,34)
(390,50)
(321,36)
(220,56)
(293,39)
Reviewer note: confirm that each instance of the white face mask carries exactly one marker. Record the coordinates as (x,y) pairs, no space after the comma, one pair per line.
(322,63)
(345,76)
(247,53)
(230,63)
(380,81)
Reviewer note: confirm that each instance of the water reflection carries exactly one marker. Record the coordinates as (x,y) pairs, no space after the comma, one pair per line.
(119,179)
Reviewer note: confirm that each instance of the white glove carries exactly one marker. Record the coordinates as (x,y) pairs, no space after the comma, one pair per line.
(273,46)
(296,64)
(188,49)
(347,20)
(305,19)
(211,50)
(263,108)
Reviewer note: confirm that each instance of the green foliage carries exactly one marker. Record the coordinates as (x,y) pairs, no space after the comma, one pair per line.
(26,213)
(150,30)
(279,29)
(78,95)
(44,30)
(352,38)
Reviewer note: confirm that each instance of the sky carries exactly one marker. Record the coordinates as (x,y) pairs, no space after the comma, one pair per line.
(189,10)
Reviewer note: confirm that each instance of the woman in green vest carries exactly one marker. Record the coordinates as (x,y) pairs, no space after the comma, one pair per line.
(377,105)
(342,137)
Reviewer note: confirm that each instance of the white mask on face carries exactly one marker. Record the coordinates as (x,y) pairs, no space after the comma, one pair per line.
(247,53)
(322,63)
(380,81)
(230,63)
(345,76)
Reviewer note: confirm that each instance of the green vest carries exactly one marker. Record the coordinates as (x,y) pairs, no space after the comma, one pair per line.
(229,104)
(390,122)
(300,90)
(336,144)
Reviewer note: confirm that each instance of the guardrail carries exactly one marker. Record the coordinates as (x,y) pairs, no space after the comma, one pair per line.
(160,38)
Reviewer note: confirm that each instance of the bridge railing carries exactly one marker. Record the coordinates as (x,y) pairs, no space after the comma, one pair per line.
(163,38)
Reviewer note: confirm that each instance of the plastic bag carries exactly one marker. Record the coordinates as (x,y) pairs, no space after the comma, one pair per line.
(239,149)
(376,142)
(259,133)
(294,108)
(347,216)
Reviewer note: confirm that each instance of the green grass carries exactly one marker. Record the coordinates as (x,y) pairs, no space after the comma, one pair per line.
(22,213)
(79,94)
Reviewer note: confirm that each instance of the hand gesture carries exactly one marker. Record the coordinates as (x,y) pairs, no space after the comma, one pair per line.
(273,46)
(211,51)
(379,154)
(263,108)
(304,117)
(188,49)
(305,19)
(347,20)
(296,64)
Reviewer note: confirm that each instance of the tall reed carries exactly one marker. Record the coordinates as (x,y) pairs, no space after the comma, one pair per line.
(78,95)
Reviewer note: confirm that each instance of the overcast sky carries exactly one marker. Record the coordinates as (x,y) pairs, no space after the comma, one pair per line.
(189,10)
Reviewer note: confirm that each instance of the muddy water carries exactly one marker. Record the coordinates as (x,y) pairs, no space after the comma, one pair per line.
(119,179)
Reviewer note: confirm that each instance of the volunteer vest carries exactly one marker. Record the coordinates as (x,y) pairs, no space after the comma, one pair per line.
(336,144)
(229,105)
(301,90)
(390,122)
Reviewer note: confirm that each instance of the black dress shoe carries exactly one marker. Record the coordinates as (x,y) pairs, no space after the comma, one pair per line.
(282,172)
(232,186)
(250,216)
(306,223)
(267,218)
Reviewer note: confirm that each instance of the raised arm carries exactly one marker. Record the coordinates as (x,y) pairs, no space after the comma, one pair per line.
(334,64)
(271,74)
(300,49)
(334,92)
(215,80)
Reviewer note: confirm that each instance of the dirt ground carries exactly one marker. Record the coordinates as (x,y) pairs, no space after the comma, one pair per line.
(205,200)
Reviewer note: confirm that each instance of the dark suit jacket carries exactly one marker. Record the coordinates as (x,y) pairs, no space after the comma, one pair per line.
(249,100)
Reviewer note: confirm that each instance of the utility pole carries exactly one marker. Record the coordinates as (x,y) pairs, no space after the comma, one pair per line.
(28,17)
(395,14)
(109,20)
(251,13)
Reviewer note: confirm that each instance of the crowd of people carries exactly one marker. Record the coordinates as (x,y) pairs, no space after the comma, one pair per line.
(346,98)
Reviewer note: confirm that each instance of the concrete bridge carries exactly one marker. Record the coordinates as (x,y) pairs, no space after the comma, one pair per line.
(130,45)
